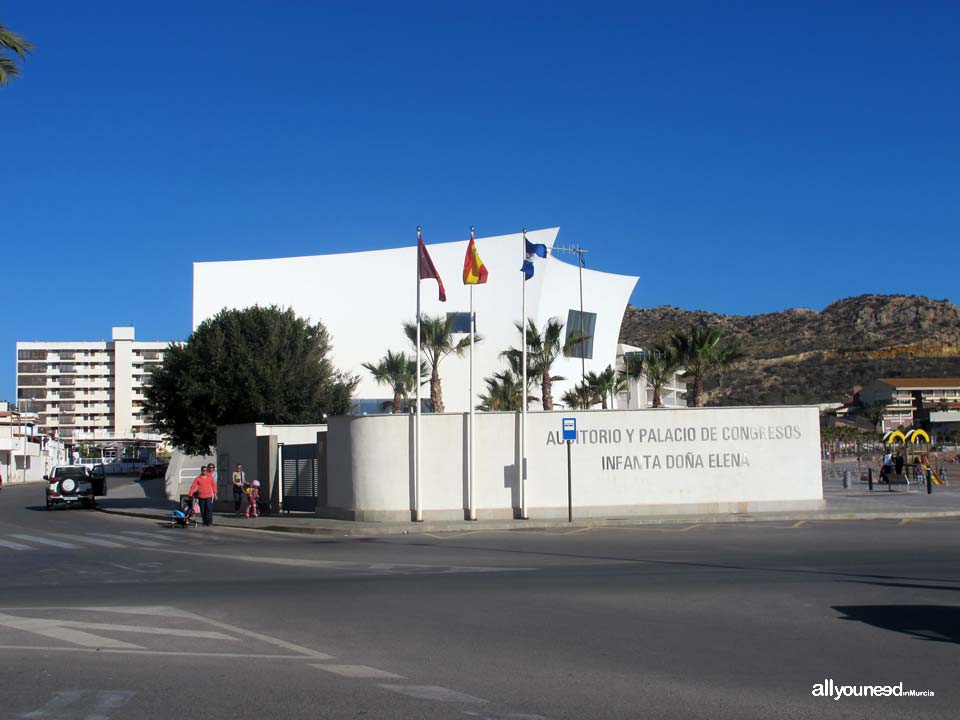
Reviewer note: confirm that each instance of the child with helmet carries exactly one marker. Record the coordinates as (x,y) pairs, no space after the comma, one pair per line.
(253,494)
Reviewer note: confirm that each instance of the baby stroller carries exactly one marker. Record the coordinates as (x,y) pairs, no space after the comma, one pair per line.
(184,516)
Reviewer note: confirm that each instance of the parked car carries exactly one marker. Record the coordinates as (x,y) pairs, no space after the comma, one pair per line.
(149,472)
(75,484)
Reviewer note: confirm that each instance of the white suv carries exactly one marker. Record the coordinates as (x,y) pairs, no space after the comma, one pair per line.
(71,484)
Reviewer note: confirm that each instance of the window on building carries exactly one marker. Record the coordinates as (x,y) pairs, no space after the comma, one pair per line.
(582,349)
(461,322)
(31,354)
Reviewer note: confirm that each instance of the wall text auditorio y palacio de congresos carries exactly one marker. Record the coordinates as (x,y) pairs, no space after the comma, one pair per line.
(706,433)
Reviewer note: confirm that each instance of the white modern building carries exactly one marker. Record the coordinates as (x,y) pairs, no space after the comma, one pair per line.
(88,391)
(638,393)
(363,299)
(26,454)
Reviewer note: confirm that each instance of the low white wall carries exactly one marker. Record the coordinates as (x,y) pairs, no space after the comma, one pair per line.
(624,462)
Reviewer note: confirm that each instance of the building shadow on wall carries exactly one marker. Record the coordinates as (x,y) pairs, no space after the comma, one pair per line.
(938,623)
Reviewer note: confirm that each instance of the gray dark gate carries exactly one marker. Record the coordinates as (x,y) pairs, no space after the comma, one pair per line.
(301,477)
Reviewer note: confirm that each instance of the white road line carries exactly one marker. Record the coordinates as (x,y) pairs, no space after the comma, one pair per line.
(157,536)
(176,632)
(433,692)
(108,700)
(304,651)
(50,629)
(90,540)
(135,541)
(46,541)
(360,671)
(54,709)
(165,653)
(9,544)
(356,567)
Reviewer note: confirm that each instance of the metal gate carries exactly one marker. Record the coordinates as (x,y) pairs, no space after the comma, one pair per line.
(301,477)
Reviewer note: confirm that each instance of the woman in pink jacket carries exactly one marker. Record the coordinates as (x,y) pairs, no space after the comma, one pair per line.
(204,488)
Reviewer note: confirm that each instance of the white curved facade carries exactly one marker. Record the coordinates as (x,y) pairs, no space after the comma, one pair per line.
(363,299)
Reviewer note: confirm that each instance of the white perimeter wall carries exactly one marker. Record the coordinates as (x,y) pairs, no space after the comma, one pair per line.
(629,461)
(363,298)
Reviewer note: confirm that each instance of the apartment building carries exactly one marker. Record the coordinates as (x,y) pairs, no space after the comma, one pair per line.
(88,391)
(908,401)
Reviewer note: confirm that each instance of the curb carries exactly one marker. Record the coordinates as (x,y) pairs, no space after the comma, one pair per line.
(512,525)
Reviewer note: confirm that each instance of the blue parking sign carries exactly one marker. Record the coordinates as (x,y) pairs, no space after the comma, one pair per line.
(569,428)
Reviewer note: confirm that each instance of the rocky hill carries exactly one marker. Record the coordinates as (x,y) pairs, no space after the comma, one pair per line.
(805,356)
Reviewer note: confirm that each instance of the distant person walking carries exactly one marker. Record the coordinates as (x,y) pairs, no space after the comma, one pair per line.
(898,464)
(205,487)
(238,480)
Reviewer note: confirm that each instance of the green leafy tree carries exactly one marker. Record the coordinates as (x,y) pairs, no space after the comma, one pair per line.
(399,373)
(9,40)
(543,349)
(436,342)
(606,384)
(260,364)
(702,351)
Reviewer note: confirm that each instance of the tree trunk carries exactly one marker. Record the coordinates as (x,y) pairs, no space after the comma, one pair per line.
(397,403)
(698,391)
(547,392)
(603,401)
(657,400)
(436,392)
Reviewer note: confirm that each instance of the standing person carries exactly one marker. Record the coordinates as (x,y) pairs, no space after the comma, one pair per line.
(205,488)
(898,464)
(237,480)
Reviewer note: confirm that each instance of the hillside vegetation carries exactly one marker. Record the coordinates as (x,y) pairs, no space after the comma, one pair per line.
(805,356)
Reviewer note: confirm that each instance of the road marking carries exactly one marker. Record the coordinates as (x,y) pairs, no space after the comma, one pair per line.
(135,541)
(46,541)
(90,541)
(61,701)
(903,521)
(176,632)
(9,544)
(169,537)
(166,653)
(52,629)
(376,568)
(360,671)
(304,651)
(799,524)
(92,706)
(433,692)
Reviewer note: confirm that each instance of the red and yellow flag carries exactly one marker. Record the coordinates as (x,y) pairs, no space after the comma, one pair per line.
(474,271)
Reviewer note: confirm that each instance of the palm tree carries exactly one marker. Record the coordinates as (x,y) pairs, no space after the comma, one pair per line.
(661,365)
(543,350)
(504,388)
(436,341)
(9,40)
(607,383)
(702,351)
(579,397)
(397,371)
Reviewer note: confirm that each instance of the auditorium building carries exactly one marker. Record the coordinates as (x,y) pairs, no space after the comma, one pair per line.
(364,298)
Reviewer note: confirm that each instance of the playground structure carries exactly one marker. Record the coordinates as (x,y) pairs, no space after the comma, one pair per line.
(912,448)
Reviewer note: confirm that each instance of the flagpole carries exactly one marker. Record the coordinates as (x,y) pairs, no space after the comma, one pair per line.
(418,514)
(523,390)
(472,508)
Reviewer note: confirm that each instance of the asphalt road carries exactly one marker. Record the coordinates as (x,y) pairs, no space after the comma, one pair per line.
(108,618)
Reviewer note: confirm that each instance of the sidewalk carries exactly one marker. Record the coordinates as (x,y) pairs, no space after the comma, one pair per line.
(146,499)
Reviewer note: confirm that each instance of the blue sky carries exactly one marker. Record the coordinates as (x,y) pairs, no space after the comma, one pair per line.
(738,157)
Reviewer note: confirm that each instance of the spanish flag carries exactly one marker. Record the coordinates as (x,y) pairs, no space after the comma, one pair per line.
(474,271)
